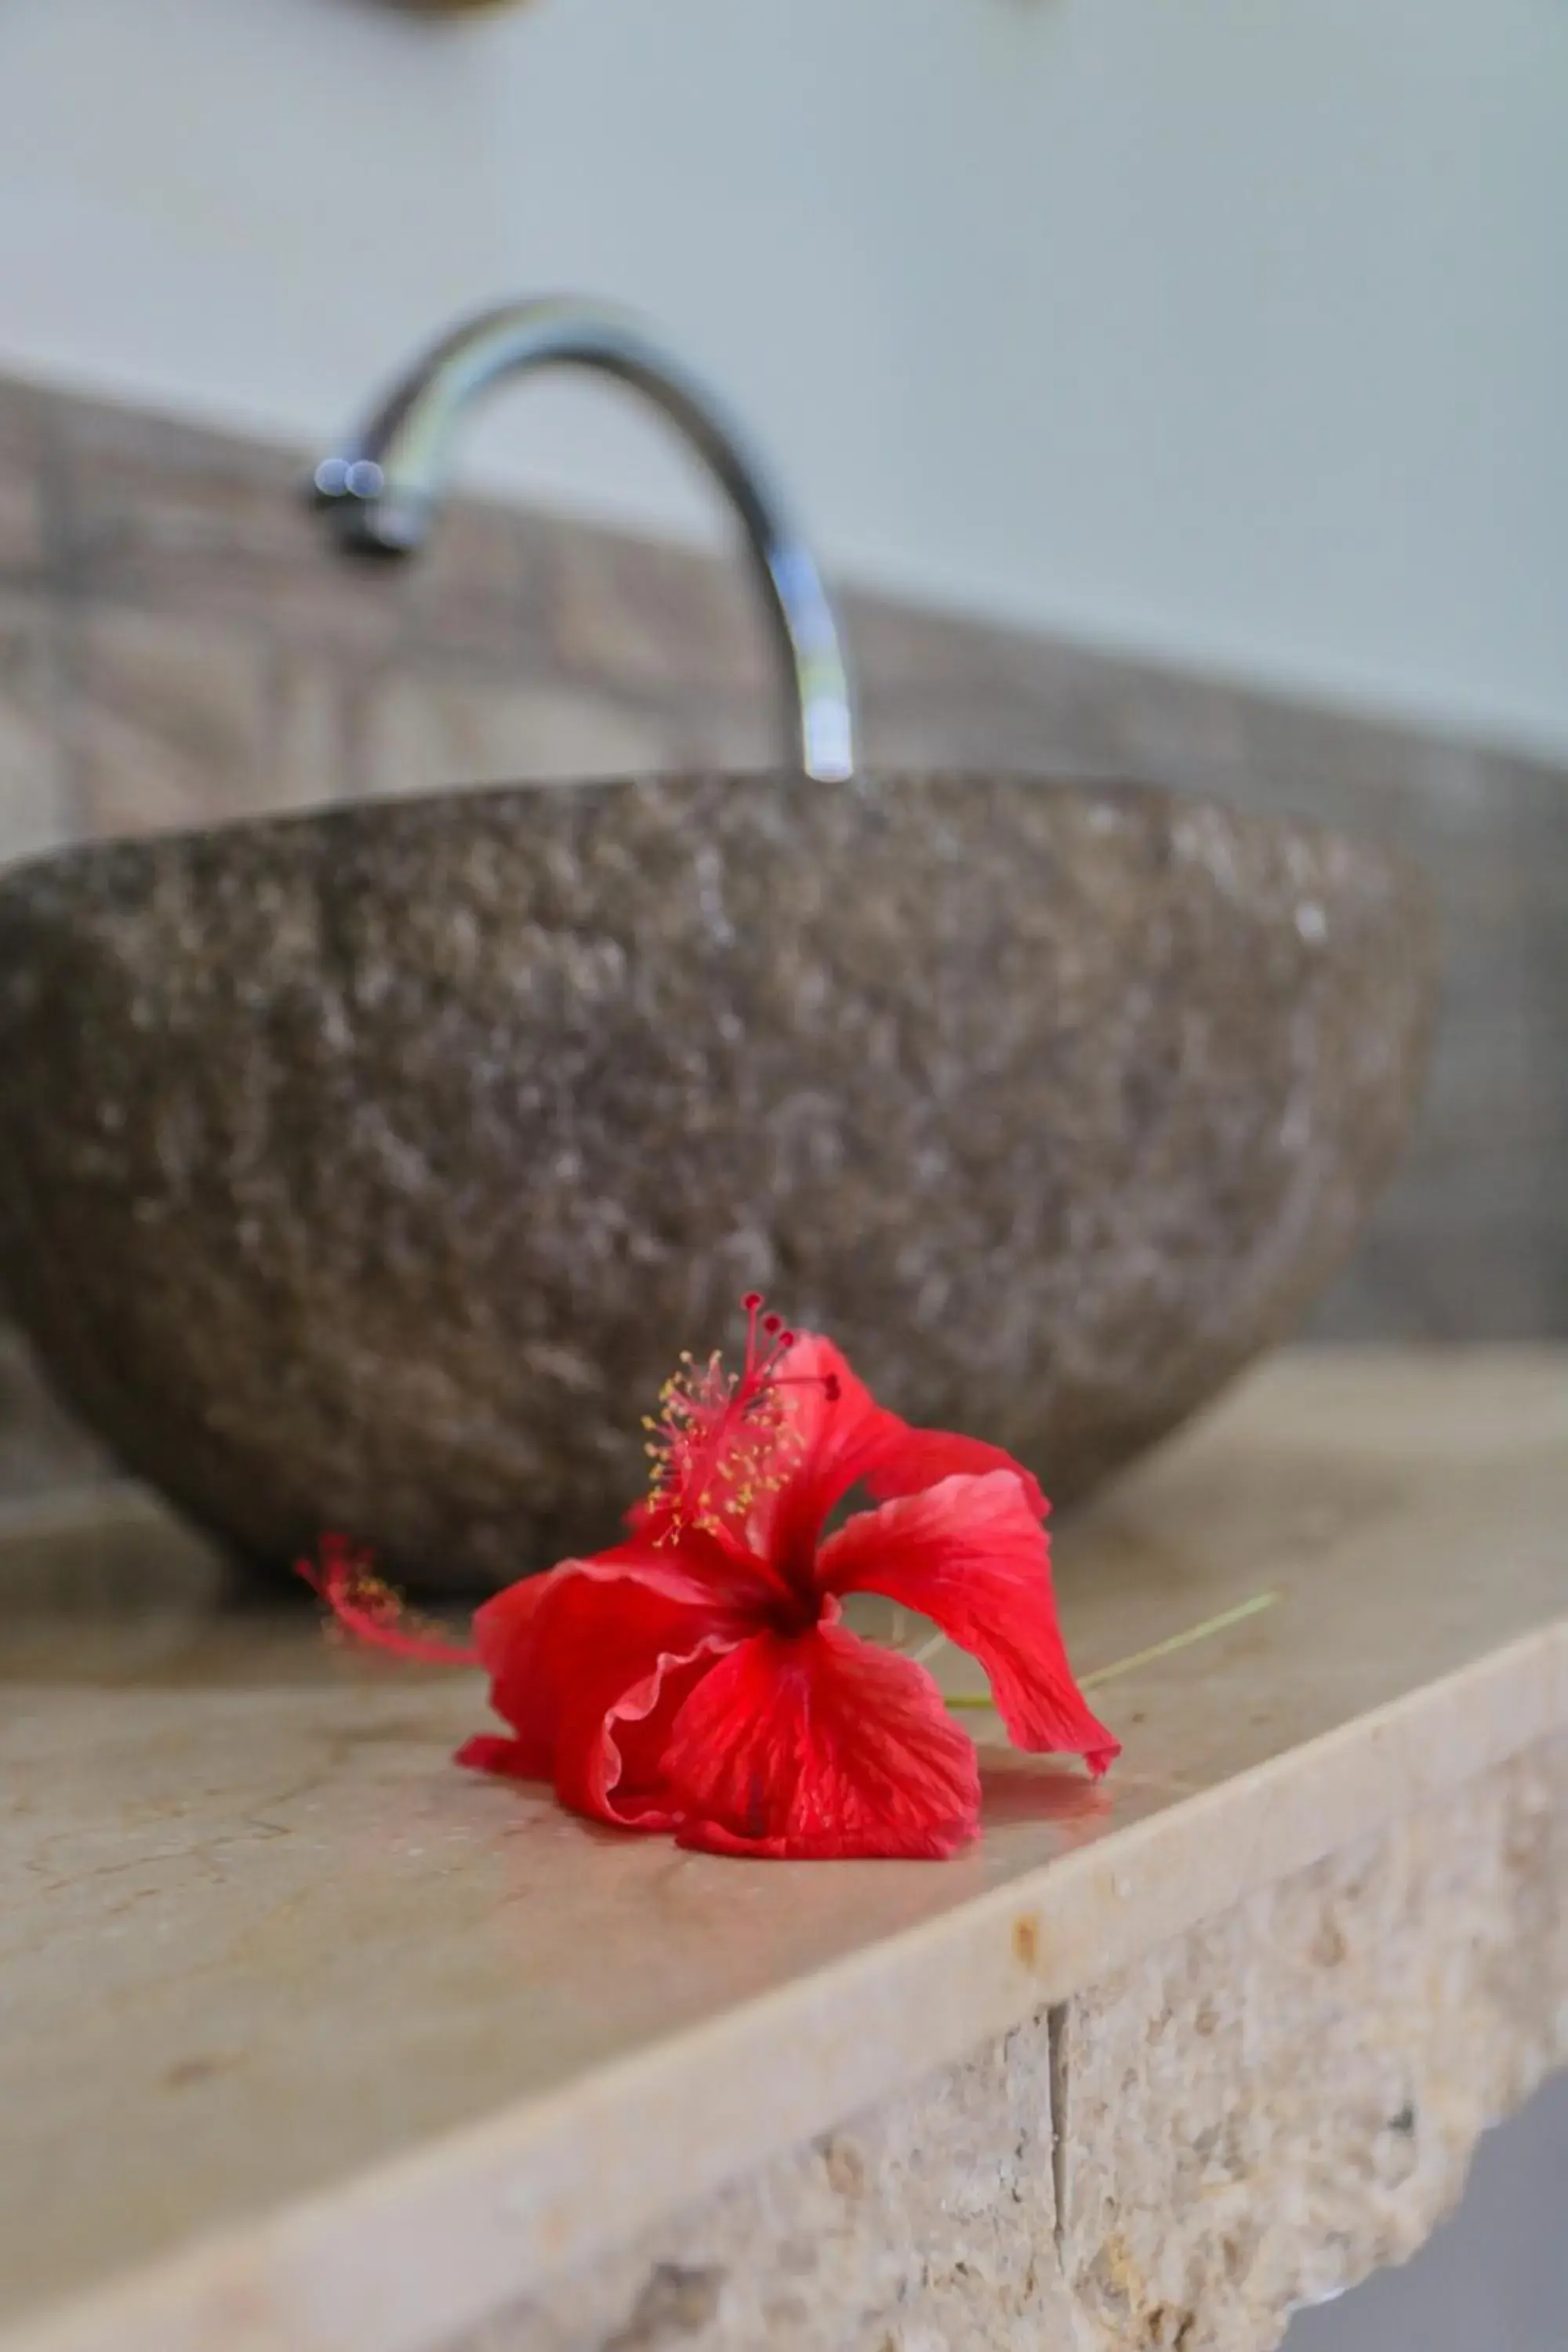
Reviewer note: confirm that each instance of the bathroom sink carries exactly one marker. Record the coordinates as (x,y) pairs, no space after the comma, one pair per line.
(368,1170)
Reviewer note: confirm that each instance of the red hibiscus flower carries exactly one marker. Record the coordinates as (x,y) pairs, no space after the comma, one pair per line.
(697,1679)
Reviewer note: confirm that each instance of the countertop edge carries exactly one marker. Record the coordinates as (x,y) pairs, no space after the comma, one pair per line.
(551,2183)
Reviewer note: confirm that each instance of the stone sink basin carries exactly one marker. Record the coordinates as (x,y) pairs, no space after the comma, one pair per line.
(369,1169)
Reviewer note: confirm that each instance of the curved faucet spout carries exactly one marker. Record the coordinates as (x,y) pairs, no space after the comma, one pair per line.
(382,490)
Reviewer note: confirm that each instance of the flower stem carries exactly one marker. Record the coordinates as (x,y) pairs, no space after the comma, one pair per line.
(1226,1618)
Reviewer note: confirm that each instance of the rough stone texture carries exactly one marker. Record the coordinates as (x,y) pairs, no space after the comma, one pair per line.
(1262,2112)
(369,1169)
(925,2227)
(527,645)
(1258,2114)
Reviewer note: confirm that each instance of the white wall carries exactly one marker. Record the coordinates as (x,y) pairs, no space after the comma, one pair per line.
(1231,330)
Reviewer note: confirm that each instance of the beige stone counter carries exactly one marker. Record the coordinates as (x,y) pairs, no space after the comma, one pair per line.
(308,2040)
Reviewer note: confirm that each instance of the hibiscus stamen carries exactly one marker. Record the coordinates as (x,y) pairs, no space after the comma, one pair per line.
(368,1608)
(720,1439)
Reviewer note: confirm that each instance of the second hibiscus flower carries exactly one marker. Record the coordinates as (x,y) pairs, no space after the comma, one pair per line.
(697,1679)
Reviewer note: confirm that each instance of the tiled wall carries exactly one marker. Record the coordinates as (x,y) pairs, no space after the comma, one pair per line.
(178,645)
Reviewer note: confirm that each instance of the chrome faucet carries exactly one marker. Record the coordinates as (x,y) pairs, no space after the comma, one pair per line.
(382,490)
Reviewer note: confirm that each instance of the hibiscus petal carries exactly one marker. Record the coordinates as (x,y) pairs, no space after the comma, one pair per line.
(690,1563)
(970,1554)
(910,1460)
(836,1432)
(844,1438)
(513,1758)
(589,1667)
(820,1746)
(515,1633)
(504,1635)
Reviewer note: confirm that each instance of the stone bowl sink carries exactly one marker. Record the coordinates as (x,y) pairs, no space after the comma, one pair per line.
(369,1169)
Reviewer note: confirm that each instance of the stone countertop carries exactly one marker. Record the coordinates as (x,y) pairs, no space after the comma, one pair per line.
(309,2040)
